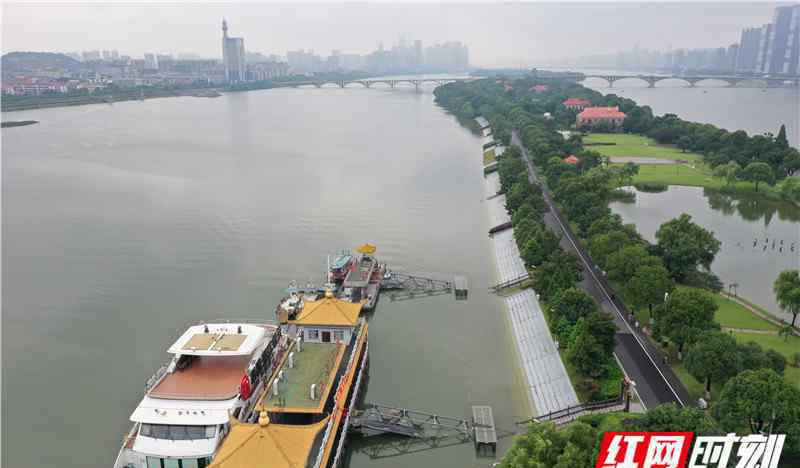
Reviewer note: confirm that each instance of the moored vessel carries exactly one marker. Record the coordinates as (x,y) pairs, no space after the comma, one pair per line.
(216,370)
(302,414)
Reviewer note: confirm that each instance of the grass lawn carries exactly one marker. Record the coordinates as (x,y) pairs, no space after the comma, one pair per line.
(635,146)
(696,389)
(488,157)
(697,176)
(734,315)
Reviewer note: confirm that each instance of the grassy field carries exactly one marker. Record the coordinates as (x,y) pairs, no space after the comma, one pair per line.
(635,146)
(488,157)
(697,175)
(734,315)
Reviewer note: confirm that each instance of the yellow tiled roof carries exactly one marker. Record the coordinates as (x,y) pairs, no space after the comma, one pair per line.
(275,445)
(329,311)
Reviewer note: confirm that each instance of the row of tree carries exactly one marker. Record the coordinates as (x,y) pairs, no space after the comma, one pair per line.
(645,272)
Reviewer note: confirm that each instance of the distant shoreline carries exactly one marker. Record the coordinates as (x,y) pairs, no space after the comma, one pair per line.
(58,101)
(18,123)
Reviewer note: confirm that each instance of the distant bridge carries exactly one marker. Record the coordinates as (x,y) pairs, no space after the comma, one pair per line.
(693,81)
(369,82)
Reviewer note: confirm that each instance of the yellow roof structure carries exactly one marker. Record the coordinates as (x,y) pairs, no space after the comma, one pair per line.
(329,311)
(367,248)
(262,444)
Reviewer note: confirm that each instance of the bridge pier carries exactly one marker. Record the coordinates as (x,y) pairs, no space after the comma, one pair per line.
(341,84)
(318,85)
(392,83)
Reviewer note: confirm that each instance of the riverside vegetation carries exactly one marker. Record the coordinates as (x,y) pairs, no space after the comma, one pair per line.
(669,280)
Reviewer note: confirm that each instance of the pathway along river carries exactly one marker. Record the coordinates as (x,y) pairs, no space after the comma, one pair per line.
(124,223)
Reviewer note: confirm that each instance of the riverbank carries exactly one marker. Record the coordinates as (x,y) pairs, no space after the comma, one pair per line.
(548,386)
(49,101)
(19,123)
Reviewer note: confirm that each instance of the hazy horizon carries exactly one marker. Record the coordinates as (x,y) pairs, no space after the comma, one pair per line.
(497,34)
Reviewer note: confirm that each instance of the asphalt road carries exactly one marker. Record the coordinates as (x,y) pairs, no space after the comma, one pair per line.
(655,382)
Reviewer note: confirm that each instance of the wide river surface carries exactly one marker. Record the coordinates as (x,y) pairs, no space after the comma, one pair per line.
(124,223)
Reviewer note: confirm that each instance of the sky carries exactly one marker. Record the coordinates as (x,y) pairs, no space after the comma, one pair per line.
(498,34)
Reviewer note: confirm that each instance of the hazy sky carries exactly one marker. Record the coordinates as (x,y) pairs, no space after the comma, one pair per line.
(510,34)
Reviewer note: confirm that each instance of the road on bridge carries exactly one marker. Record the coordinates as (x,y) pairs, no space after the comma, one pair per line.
(656,383)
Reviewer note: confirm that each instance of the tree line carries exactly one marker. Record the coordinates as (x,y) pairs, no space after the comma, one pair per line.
(646,274)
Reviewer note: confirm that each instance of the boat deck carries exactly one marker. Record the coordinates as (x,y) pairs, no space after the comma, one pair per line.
(316,363)
(207,378)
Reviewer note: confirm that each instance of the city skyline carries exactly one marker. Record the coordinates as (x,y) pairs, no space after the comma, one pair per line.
(497,34)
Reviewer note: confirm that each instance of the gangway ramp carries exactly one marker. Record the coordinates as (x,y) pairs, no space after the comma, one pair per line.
(377,419)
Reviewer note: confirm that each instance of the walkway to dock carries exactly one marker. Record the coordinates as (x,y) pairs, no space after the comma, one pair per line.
(548,383)
(497,211)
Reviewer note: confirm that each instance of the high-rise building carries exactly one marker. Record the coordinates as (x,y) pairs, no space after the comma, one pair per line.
(764,49)
(150,62)
(748,50)
(450,56)
(233,56)
(784,42)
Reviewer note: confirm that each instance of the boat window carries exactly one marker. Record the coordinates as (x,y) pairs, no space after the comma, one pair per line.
(190,463)
(175,432)
(171,463)
(313,334)
(338,335)
(153,462)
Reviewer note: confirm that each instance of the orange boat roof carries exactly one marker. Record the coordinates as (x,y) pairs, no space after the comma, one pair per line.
(207,378)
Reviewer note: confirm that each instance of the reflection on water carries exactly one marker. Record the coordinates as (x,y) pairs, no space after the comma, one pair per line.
(760,237)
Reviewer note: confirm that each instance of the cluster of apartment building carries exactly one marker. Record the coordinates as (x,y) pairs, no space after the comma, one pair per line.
(405,56)
(770,49)
(97,69)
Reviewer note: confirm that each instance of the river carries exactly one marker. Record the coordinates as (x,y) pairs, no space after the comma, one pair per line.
(124,223)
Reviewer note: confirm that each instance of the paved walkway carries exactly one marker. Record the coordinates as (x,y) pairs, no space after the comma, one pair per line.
(641,160)
(497,211)
(492,185)
(509,264)
(546,378)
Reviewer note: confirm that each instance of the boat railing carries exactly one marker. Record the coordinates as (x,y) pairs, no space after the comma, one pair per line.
(251,321)
(156,377)
(336,405)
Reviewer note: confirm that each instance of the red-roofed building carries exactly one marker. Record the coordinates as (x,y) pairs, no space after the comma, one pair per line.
(594,115)
(571,159)
(539,88)
(577,104)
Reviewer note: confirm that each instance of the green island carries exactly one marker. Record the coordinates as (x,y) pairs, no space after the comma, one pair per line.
(722,349)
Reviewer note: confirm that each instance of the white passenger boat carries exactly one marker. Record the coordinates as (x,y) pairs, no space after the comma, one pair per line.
(216,372)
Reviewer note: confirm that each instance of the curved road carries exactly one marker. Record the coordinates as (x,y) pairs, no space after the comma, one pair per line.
(655,382)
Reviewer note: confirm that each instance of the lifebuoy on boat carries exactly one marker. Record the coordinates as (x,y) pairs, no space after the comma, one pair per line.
(244,387)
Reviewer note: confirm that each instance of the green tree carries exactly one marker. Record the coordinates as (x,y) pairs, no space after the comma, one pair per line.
(670,418)
(787,292)
(559,272)
(685,246)
(781,138)
(571,304)
(585,352)
(685,315)
(647,286)
(729,171)
(713,358)
(601,246)
(545,447)
(539,245)
(622,264)
(758,172)
(760,401)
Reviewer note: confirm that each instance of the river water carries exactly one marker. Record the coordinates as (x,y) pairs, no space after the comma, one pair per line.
(124,223)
